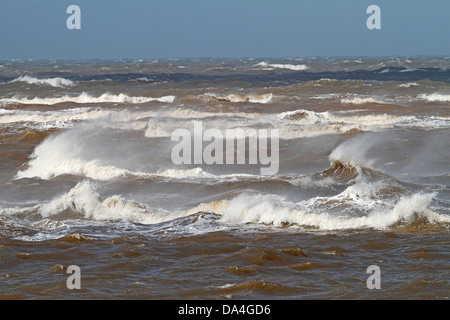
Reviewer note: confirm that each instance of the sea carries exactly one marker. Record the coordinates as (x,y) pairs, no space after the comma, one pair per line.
(357,208)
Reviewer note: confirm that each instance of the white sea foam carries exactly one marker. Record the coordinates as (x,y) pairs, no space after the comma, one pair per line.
(354,151)
(90,169)
(217,207)
(409,69)
(234,97)
(266,209)
(327,122)
(66,118)
(291,124)
(185,113)
(54,82)
(48,163)
(199,175)
(194,173)
(86,98)
(325,96)
(164,127)
(60,117)
(435,97)
(271,66)
(408,85)
(308,182)
(84,199)
(304,115)
(6,111)
(361,100)
(275,210)
(70,153)
(57,156)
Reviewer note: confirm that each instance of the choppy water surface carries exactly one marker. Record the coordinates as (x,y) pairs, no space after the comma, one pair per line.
(87,179)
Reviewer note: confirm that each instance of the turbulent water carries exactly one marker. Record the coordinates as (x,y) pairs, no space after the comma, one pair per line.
(87,179)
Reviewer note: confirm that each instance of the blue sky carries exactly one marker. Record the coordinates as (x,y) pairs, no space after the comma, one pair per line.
(147,29)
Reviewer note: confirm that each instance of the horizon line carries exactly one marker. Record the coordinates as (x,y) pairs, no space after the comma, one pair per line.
(233,58)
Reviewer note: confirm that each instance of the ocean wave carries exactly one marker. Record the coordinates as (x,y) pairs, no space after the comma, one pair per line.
(84,199)
(271,66)
(44,120)
(435,97)
(184,113)
(39,167)
(408,85)
(46,165)
(70,153)
(199,175)
(54,82)
(234,97)
(409,69)
(344,121)
(275,210)
(353,152)
(159,129)
(60,118)
(341,171)
(359,206)
(350,161)
(85,202)
(361,100)
(195,173)
(303,114)
(293,124)
(86,98)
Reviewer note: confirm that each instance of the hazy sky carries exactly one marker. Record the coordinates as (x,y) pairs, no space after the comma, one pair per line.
(36,29)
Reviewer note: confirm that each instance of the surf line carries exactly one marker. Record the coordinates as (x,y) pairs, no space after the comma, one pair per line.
(190,149)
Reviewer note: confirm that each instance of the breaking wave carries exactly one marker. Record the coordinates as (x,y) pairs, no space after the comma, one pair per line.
(365,203)
(408,85)
(84,199)
(44,120)
(253,98)
(38,167)
(318,213)
(275,210)
(53,82)
(435,97)
(361,100)
(272,66)
(353,152)
(291,124)
(86,98)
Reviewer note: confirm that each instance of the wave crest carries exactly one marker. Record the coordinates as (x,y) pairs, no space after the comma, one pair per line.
(54,82)
(341,171)
(276,211)
(87,98)
(435,97)
(272,66)
(85,200)
(235,97)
